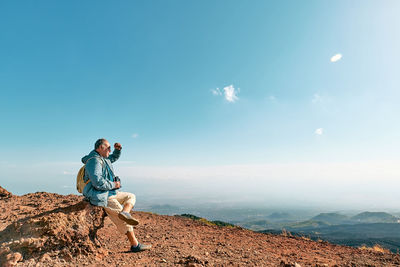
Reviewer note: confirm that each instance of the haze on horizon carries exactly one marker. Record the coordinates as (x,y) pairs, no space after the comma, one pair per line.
(279,103)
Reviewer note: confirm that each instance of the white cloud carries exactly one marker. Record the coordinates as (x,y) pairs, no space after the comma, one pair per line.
(319,131)
(230,93)
(216,91)
(272,98)
(135,135)
(69,173)
(336,58)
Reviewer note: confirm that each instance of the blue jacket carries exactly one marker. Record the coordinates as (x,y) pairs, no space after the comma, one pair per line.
(96,191)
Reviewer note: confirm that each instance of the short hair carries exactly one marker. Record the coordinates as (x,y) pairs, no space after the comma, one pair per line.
(99,142)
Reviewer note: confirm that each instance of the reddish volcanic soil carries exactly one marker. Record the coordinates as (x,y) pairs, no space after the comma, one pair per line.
(44,229)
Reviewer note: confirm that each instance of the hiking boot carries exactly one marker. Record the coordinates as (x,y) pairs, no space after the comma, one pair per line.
(140,247)
(126,217)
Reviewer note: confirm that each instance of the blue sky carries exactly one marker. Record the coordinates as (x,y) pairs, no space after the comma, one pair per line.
(199,92)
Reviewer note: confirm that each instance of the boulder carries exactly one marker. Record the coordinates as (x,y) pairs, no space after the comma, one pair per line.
(63,232)
(4,193)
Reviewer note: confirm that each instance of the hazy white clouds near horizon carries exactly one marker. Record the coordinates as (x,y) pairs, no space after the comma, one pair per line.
(382,170)
(324,183)
(307,171)
(314,183)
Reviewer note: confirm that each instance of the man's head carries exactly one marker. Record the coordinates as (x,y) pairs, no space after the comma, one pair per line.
(102,146)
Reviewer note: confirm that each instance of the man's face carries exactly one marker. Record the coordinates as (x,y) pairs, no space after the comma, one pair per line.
(104,150)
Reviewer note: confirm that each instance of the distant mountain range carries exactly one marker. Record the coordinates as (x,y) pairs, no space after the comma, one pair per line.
(278,221)
(386,235)
(375,217)
(366,228)
(364,217)
(332,218)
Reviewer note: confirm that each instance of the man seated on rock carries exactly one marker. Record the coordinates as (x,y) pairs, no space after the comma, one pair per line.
(102,190)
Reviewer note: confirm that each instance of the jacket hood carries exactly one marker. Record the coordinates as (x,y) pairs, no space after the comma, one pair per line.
(92,154)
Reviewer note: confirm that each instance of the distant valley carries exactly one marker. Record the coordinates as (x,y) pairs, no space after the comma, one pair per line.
(363,229)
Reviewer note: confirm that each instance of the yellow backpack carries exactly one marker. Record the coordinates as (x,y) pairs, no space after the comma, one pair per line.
(80,183)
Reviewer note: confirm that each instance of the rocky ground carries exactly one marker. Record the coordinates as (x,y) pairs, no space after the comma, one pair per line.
(44,229)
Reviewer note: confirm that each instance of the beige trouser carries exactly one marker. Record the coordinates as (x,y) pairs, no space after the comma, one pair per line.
(114,207)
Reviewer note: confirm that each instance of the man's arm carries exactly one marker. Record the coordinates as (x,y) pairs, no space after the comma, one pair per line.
(116,153)
(95,170)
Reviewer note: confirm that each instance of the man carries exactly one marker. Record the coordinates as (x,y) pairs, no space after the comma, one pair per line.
(102,190)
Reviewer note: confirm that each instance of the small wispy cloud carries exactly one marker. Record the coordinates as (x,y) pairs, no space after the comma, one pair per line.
(319,131)
(68,173)
(271,98)
(135,135)
(216,91)
(336,58)
(229,93)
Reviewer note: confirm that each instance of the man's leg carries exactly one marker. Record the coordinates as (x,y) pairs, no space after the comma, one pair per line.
(132,238)
(113,209)
(128,200)
(127,207)
(135,245)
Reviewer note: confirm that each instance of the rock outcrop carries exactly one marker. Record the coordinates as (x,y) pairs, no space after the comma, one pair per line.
(4,193)
(63,232)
